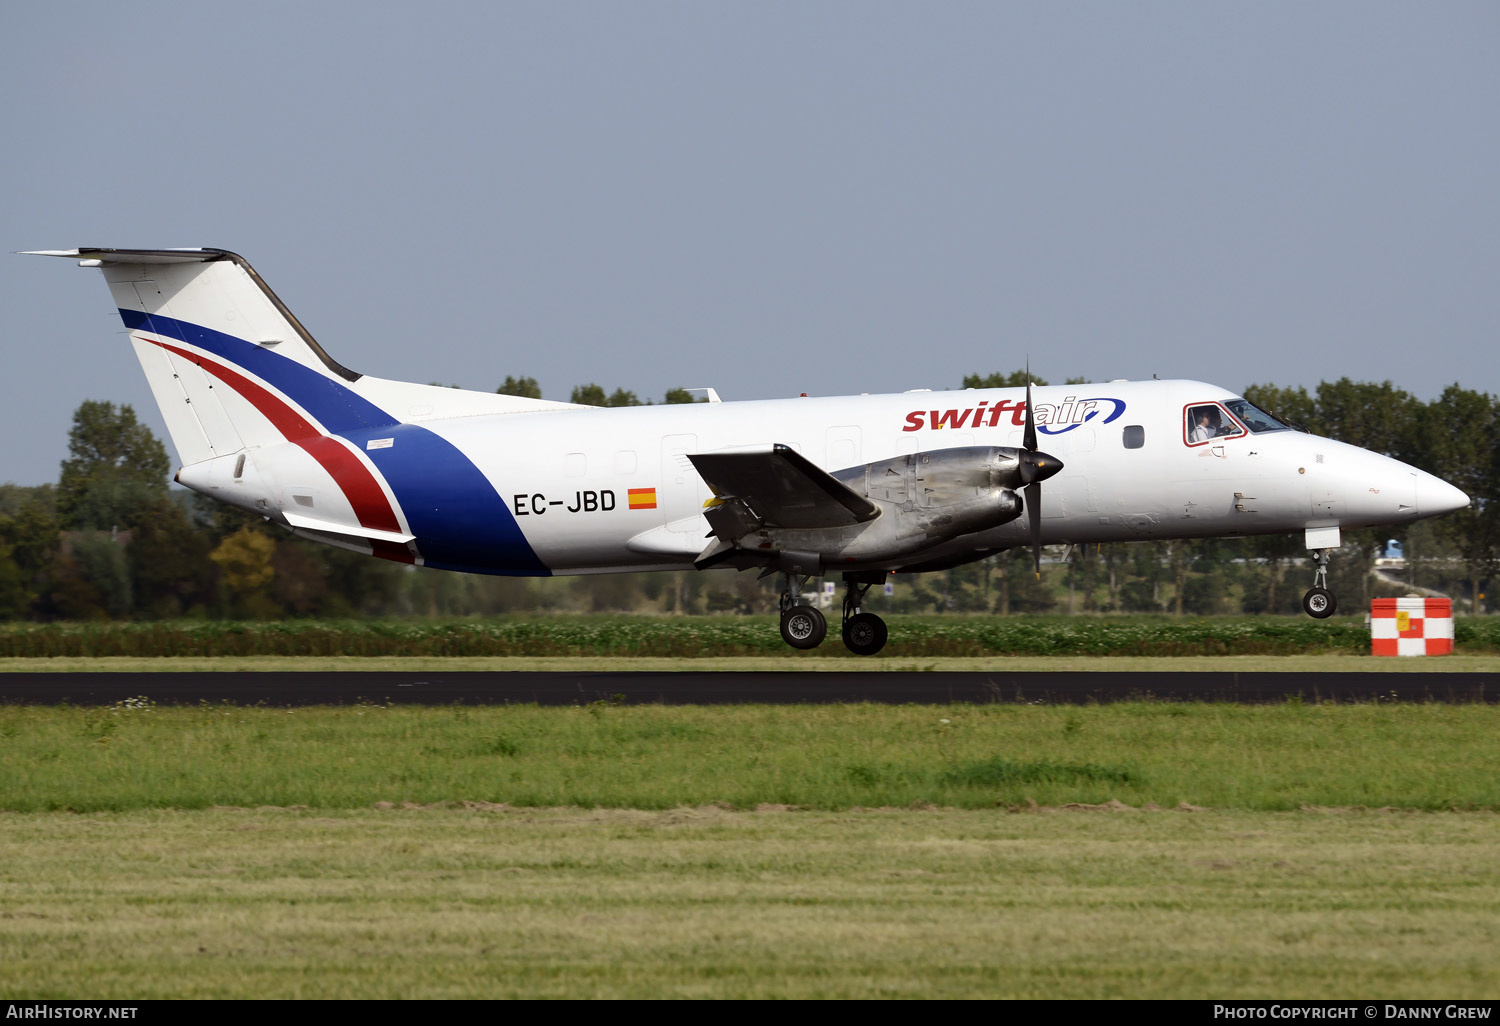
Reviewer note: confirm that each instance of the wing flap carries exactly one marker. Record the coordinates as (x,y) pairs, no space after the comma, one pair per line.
(782,488)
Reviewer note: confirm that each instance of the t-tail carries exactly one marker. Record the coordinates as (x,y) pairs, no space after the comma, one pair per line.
(262,417)
(232,368)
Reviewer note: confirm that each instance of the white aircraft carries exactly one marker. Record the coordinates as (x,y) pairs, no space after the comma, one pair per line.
(264,419)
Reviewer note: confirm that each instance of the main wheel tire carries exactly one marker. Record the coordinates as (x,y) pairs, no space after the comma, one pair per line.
(803,627)
(1320,603)
(865,634)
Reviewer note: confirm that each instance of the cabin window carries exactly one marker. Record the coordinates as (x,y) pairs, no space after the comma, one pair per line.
(1135,436)
(1207,422)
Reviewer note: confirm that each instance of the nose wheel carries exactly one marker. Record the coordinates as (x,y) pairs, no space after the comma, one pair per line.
(1319,602)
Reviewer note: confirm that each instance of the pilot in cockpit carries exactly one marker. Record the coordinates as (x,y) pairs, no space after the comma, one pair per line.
(1205,424)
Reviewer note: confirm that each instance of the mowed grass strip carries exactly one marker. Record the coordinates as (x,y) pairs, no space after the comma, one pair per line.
(712,636)
(1409,756)
(704,902)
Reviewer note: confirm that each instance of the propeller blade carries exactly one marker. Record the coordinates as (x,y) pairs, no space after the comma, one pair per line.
(1029,440)
(1035,467)
(1034,516)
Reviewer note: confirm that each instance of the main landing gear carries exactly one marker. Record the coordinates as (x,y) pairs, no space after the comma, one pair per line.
(805,626)
(864,633)
(1319,601)
(801,626)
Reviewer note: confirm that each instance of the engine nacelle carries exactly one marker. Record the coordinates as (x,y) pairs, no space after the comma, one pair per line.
(925,500)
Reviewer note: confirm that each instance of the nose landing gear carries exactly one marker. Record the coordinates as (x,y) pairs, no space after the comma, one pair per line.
(1319,601)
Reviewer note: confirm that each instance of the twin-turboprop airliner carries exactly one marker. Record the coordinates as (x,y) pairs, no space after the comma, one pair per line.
(862,486)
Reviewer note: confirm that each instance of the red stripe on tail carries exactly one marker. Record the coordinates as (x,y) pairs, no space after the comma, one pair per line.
(359,486)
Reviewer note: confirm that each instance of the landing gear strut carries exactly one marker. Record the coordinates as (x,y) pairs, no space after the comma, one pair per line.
(1319,601)
(801,626)
(864,633)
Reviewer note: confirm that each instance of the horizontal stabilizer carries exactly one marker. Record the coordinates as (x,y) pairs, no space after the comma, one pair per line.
(98,257)
(782,488)
(348,531)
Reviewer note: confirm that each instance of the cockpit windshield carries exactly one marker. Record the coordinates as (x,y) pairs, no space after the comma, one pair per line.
(1255,418)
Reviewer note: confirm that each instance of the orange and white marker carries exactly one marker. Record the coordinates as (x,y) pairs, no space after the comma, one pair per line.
(1411,626)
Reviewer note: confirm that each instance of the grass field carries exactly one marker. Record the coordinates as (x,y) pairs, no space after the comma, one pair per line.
(703,902)
(824,757)
(1130,850)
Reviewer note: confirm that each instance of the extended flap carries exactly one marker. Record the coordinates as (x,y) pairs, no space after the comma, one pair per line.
(783,488)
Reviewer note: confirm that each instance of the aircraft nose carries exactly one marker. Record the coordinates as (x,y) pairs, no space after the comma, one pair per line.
(1436,496)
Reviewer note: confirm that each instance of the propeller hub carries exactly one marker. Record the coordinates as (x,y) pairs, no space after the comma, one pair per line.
(1038,466)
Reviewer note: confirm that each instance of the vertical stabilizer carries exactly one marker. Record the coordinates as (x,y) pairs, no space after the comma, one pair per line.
(263,418)
(224,356)
(232,368)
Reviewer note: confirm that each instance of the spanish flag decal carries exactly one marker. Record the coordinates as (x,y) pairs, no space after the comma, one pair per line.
(643,498)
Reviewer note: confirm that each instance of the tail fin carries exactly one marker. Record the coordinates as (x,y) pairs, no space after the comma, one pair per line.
(232,368)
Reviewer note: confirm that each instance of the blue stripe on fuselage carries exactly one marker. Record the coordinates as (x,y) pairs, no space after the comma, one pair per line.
(460,521)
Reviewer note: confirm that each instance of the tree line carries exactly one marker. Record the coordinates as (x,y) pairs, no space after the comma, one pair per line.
(111,540)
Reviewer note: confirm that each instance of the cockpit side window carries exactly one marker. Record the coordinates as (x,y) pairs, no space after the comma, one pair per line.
(1205,422)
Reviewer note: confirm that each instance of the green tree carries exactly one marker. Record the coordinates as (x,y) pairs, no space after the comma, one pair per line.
(16,599)
(297,582)
(1291,405)
(1269,589)
(1460,440)
(526,388)
(1381,418)
(1015,379)
(13,497)
(244,561)
(1143,576)
(677,396)
(31,538)
(360,584)
(1018,588)
(168,558)
(115,467)
(588,395)
(92,576)
(594,395)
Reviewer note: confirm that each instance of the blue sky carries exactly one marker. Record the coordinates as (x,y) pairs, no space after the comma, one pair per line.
(770,198)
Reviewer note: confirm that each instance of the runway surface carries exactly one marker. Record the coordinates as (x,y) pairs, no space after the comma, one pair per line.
(782,688)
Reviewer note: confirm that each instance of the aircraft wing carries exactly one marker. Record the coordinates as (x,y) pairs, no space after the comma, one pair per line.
(781,488)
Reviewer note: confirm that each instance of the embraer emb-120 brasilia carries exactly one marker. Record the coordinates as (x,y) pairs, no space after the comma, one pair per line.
(862,486)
